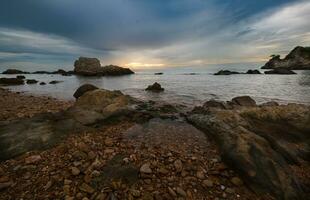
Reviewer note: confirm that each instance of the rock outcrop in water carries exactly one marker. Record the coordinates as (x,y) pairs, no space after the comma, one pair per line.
(91,67)
(14,71)
(297,59)
(156,87)
(226,72)
(11,81)
(261,143)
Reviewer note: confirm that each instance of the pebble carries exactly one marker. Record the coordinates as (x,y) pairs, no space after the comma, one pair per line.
(48,185)
(230,190)
(200,174)
(75,171)
(207,183)
(180,191)
(86,188)
(33,159)
(5,185)
(135,193)
(172,192)
(178,165)
(145,168)
(236,181)
(222,187)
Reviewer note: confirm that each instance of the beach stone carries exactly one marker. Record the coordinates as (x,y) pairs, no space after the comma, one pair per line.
(33,159)
(83,89)
(172,192)
(75,171)
(200,174)
(236,181)
(178,165)
(181,192)
(145,168)
(86,188)
(5,185)
(207,183)
(135,193)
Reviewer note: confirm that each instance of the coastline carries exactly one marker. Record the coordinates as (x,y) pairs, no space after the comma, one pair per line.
(149,153)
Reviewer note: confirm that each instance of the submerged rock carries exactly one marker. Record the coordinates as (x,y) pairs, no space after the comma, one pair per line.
(297,59)
(280,71)
(55,82)
(260,143)
(255,71)
(11,81)
(156,87)
(158,73)
(20,77)
(226,72)
(31,81)
(83,89)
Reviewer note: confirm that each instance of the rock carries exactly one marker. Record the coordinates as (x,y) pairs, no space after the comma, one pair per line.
(75,171)
(33,159)
(20,77)
(230,191)
(226,72)
(91,67)
(270,103)
(11,81)
(181,192)
(236,181)
(42,83)
(207,183)
(200,175)
(261,144)
(215,104)
(87,66)
(178,165)
(244,101)
(297,59)
(14,71)
(5,185)
(145,169)
(172,192)
(61,72)
(156,87)
(31,81)
(83,89)
(86,188)
(55,82)
(280,71)
(159,73)
(113,70)
(135,193)
(255,71)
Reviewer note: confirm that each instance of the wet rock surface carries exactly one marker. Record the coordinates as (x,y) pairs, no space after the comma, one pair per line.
(11,81)
(267,145)
(226,72)
(83,89)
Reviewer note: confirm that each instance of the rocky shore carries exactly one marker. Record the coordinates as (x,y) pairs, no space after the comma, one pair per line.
(107,145)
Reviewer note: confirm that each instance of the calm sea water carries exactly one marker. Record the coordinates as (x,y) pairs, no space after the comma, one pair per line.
(183,88)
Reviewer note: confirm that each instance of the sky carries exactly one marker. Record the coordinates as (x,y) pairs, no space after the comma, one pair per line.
(149,33)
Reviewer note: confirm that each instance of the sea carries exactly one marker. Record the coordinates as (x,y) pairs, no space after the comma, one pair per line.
(188,86)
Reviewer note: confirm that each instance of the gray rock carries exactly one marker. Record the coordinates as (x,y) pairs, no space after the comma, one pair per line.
(83,89)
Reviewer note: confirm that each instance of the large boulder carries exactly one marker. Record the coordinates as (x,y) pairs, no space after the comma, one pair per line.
(297,59)
(83,89)
(280,71)
(98,105)
(263,144)
(11,81)
(87,66)
(14,71)
(156,87)
(91,67)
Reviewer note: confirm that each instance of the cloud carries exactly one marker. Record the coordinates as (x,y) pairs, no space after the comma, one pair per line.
(162,32)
